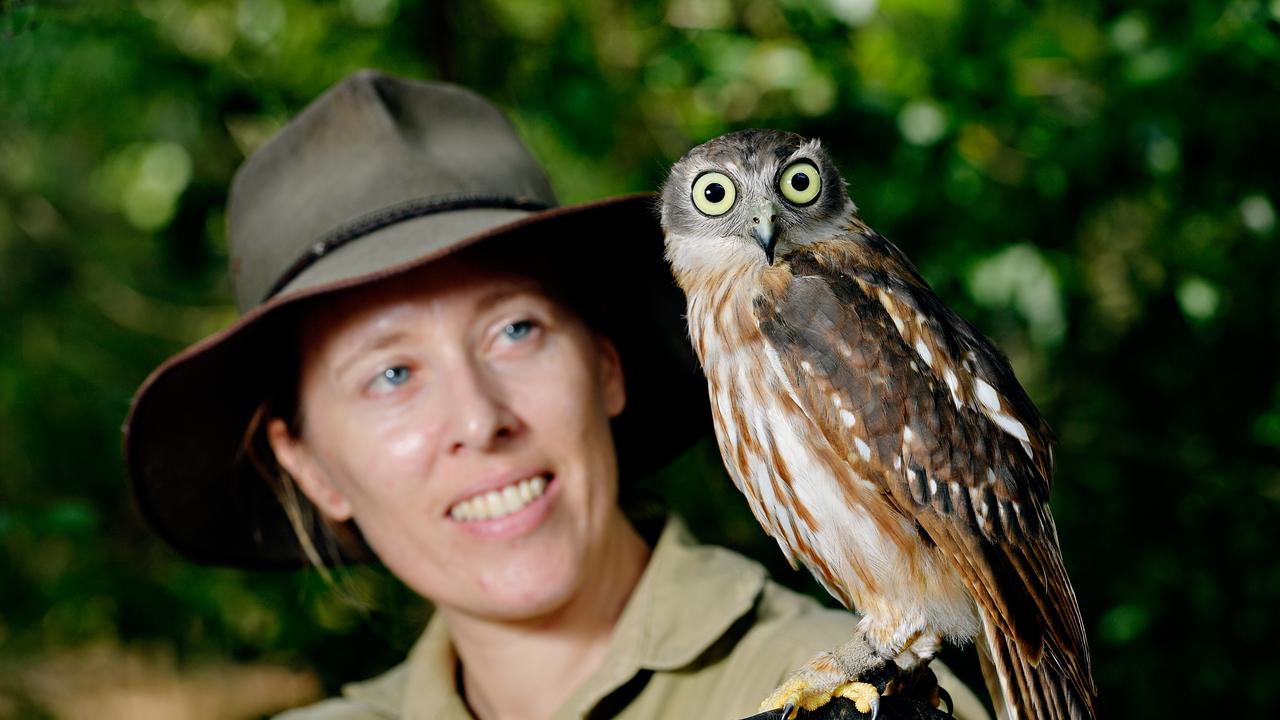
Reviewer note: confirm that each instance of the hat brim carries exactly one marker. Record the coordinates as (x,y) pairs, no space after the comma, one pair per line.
(183,440)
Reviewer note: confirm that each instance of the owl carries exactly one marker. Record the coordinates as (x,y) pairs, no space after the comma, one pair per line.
(878,437)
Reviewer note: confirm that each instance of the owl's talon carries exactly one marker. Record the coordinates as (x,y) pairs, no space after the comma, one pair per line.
(790,697)
(797,693)
(865,697)
(946,698)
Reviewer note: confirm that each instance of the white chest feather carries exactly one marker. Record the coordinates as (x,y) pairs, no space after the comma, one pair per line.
(810,501)
(805,495)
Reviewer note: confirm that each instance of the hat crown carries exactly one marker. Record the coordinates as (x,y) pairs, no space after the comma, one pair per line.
(370,145)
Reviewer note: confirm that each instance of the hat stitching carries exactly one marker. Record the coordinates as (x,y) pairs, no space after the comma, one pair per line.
(392,214)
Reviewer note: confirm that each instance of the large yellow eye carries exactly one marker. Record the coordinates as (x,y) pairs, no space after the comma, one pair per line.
(800,183)
(714,193)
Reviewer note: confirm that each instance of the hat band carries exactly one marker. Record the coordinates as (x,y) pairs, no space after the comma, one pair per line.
(391,215)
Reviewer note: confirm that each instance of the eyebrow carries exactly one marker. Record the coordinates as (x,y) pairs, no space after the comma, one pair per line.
(502,294)
(391,337)
(376,342)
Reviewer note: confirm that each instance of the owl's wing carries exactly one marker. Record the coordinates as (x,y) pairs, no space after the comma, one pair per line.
(954,440)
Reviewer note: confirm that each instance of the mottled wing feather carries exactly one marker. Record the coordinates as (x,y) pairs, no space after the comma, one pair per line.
(971,464)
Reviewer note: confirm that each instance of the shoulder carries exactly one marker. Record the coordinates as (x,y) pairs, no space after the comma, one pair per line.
(377,699)
(786,630)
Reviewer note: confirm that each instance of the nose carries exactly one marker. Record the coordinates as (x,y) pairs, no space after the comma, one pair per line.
(479,417)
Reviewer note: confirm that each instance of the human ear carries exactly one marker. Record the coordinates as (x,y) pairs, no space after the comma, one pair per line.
(297,460)
(612,382)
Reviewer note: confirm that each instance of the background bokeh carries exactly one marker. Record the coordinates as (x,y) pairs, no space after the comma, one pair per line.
(1093,183)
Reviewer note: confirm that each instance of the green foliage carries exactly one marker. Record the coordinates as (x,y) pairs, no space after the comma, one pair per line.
(1094,185)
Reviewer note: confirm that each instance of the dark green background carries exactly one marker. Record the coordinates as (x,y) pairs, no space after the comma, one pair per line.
(1093,184)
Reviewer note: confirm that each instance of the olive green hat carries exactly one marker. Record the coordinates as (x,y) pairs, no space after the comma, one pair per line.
(377,177)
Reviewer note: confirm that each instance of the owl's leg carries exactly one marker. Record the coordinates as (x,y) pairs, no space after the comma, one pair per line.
(920,683)
(853,670)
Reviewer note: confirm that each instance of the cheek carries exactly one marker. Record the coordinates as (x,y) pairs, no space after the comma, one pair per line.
(567,411)
(565,398)
(407,446)
(387,458)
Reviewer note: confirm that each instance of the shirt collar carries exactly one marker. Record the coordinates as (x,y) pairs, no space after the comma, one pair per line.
(688,597)
(431,688)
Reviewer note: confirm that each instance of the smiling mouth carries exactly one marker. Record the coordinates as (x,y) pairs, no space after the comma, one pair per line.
(501,502)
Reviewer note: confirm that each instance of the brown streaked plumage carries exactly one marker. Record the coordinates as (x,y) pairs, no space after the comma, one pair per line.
(878,437)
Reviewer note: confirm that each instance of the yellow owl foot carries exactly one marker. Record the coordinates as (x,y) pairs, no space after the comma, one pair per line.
(865,697)
(798,693)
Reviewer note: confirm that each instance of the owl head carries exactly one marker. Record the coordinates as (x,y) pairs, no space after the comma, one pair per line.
(750,196)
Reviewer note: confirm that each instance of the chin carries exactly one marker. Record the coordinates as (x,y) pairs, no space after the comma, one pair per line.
(533,583)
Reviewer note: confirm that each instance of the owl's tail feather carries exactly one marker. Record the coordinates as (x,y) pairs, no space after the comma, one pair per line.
(1025,690)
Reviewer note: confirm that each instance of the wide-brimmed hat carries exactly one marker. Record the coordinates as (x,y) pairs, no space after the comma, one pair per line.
(378,177)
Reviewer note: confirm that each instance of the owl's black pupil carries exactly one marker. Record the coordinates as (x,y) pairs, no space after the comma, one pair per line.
(714,192)
(800,181)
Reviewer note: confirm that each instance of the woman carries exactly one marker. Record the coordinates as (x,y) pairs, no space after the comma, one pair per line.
(440,361)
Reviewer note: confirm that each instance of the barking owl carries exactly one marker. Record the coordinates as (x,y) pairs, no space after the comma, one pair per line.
(878,437)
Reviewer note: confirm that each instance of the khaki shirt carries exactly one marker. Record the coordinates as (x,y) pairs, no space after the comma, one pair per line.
(706,634)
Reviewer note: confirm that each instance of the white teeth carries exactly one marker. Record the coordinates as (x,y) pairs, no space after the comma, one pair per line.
(511,499)
(493,503)
(498,503)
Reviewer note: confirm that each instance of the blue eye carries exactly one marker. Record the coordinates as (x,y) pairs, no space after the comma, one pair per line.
(518,330)
(397,375)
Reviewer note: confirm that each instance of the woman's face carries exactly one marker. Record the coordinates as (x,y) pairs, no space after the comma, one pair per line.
(461,417)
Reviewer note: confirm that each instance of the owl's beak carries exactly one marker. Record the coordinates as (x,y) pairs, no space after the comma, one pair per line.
(763,217)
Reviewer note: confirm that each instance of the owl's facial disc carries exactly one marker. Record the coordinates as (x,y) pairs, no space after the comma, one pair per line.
(751,191)
(764,217)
